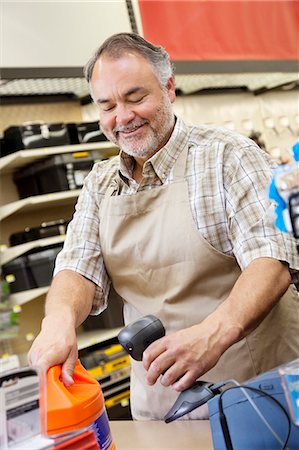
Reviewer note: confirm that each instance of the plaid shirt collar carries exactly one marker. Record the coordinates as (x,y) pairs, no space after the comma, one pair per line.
(161,162)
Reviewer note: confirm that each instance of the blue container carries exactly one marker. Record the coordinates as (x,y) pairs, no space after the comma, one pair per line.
(247,430)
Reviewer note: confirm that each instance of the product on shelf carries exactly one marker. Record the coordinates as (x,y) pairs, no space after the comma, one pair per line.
(45,230)
(85,132)
(55,174)
(31,270)
(110,365)
(34,135)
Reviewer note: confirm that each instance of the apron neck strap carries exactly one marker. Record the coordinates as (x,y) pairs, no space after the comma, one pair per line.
(181,162)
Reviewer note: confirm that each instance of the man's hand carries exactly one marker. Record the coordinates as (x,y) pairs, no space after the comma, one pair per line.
(185,355)
(56,344)
(68,303)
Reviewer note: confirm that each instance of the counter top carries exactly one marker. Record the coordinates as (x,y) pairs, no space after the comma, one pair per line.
(157,435)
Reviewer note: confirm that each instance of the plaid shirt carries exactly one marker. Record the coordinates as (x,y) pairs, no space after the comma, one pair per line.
(228,178)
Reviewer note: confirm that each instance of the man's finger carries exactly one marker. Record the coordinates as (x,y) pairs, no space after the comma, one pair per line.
(68,367)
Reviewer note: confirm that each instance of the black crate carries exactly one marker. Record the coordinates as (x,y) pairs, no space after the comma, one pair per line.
(3,151)
(55,174)
(26,181)
(42,264)
(32,270)
(64,172)
(19,275)
(46,229)
(35,135)
(85,132)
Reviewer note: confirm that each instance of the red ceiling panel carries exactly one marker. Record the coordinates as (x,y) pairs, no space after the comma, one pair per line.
(208,30)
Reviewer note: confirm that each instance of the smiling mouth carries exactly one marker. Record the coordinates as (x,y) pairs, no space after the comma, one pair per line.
(131,131)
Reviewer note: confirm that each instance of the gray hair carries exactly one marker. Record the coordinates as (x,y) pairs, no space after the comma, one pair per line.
(116,45)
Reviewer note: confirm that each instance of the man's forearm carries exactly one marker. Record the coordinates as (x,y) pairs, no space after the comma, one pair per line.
(255,293)
(70,295)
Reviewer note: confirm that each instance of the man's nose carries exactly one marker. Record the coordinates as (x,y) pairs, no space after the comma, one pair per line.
(124,115)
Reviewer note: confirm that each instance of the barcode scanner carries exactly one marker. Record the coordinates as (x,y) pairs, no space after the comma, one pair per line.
(136,337)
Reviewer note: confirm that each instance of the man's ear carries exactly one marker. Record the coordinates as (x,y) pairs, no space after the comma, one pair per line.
(170,86)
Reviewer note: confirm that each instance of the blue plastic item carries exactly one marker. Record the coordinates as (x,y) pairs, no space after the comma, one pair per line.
(284,186)
(247,430)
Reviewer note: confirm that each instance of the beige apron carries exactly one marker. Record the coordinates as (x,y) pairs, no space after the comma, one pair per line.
(160,264)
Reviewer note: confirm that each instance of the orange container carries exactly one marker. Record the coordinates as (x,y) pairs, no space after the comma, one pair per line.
(80,405)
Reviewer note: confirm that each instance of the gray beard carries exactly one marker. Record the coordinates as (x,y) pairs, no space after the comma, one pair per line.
(143,152)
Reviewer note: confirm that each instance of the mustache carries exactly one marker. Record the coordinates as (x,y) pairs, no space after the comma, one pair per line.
(130,126)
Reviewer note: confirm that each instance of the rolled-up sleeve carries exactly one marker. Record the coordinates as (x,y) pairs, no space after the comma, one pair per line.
(251,214)
(82,249)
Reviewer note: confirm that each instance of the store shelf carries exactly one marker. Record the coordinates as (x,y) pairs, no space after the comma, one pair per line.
(88,338)
(21,158)
(20,298)
(11,253)
(34,202)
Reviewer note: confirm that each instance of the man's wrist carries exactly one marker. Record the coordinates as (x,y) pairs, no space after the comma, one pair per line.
(65,318)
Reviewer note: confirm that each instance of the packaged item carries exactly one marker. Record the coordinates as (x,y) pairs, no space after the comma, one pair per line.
(289,374)
(20,422)
(23,413)
(284,190)
(9,320)
(9,314)
(77,406)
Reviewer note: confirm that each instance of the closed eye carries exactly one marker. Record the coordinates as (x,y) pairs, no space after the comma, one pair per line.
(107,108)
(137,100)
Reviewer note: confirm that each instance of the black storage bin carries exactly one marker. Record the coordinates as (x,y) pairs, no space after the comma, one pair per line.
(35,135)
(85,132)
(26,181)
(19,270)
(46,229)
(55,174)
(2,147)
(32,270)
(42,264)
(64,172)
(112,317)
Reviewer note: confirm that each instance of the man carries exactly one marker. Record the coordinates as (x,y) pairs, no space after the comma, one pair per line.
(178,222)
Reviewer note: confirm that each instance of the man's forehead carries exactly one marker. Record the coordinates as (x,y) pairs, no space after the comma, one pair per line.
(129,60)
(131,73)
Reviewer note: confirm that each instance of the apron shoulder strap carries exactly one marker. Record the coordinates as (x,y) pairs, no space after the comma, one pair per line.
(181,162)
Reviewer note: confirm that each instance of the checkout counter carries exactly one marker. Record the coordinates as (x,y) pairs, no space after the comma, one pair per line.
(157,435)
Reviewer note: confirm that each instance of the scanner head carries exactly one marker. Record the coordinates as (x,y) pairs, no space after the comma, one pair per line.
(137,336)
